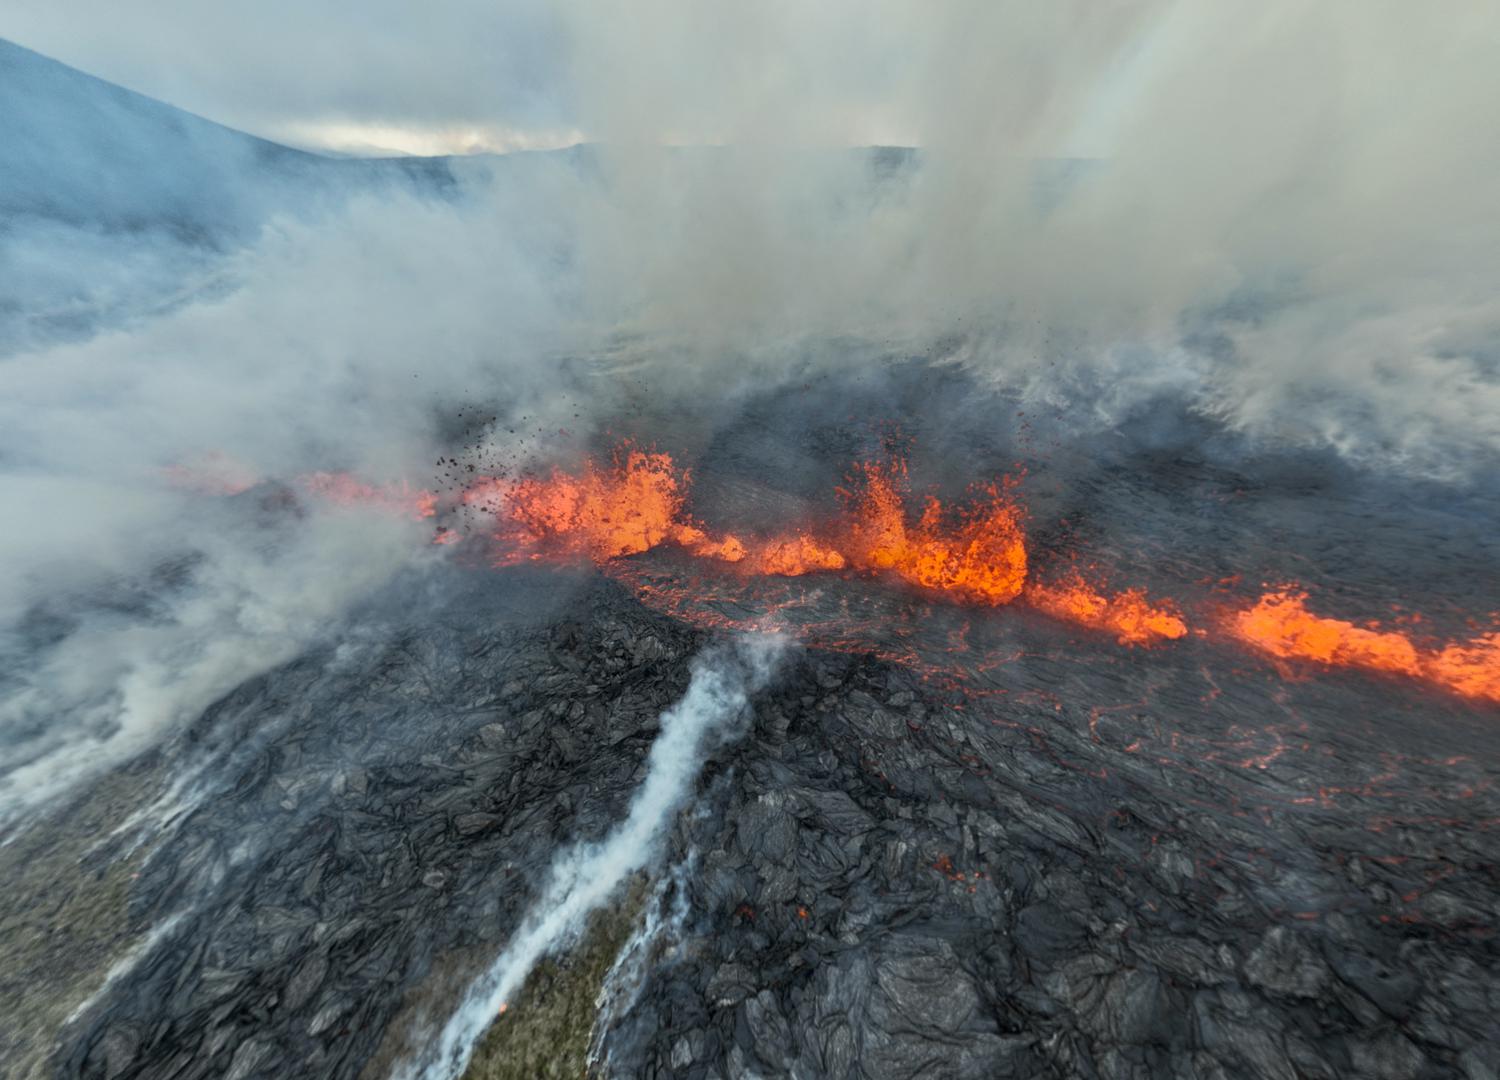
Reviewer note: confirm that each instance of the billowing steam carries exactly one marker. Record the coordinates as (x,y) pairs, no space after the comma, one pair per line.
(1280,214)
(1279,219)
(129,606)
(586,876)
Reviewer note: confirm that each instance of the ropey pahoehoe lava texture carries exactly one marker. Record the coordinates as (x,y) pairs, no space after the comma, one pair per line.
(877,874)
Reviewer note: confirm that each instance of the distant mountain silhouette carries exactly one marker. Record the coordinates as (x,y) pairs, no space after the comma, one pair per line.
(77,149)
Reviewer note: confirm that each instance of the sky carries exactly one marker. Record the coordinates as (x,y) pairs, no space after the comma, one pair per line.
(414,77)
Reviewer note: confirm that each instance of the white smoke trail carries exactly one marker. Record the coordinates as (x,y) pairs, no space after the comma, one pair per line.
(128,963)
(585,876)
(657,942)
(116,687)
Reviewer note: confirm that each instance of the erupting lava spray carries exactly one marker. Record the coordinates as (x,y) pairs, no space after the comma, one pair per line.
(631,506)
(974,553)
(977,554)
(1280,625)
(971,554)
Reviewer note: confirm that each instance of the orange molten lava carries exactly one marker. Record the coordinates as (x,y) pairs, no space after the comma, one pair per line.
(972,554)
(977,555)
(1281,625)
(1132,618)
(790,557)
(630,507)
(728,549)
(1472,669)
(779,556)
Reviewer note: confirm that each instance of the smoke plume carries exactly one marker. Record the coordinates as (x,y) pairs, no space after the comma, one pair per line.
(1278,219)
(586,876)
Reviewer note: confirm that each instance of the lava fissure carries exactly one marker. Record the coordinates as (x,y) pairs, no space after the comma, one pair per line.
(975,553)
(1281,625)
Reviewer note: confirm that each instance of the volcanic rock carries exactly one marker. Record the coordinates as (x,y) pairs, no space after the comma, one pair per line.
(871,881)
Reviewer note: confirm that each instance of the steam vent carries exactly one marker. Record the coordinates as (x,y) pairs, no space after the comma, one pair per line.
(874,540)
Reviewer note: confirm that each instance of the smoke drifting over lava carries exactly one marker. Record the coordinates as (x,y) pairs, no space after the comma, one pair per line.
(976,340)
(1237,252)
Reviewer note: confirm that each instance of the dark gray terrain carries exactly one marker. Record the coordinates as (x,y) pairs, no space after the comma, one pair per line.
(880,879)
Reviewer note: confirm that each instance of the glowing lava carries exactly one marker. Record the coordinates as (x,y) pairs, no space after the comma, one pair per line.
(1129,615)
(601,513)
(974,553)
(790,557)
(1471,669)
(977,554)
(1281,625)
(971,554)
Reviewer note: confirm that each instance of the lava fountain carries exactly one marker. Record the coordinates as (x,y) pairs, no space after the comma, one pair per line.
(973,553)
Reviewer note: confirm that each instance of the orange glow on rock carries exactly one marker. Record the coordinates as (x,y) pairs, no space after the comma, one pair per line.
(1281,625)
(978,555)
(1129,615)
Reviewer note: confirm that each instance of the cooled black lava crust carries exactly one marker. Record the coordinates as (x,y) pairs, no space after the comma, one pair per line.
(883,878)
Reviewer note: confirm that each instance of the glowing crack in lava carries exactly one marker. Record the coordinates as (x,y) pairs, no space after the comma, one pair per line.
(1281,625)
(1128,615)
(976,554)
(972,554)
